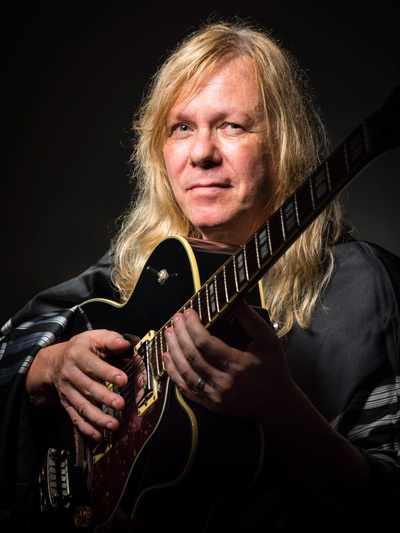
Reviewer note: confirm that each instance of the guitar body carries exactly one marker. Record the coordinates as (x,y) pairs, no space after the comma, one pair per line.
(171,458)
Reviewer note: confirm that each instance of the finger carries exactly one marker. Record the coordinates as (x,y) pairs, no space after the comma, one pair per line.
(101,393)
(175,362)
(90,359)
(188,351)
(213,350)
(87,429)
(105,342)
(133,339)
(192,387)
(89,419)
(204,353)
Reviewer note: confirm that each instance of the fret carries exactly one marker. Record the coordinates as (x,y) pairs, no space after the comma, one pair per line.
(263,243)
(199,307)
(162,341)
(356,147)
(328,176)
(311,194)
(321,186)
(251,261)
(207,303)
(210,299)
(257,250)
(235,273)
(304,203)
(203,294)
(245,262)
(157,350)
(240,267)
(216,287)
(157,356)
(194,303)
(269,238)
(231,279)
(225,284)
(275,233)
(220,295)
(289,216)
(336,164)
(296,210)
(282,224)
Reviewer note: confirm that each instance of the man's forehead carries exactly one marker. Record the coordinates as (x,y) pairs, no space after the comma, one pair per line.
(223,79)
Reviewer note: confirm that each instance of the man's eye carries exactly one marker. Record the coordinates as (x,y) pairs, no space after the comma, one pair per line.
(233,126)
(181,128)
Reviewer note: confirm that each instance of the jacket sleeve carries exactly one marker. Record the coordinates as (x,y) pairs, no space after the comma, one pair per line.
(41,322)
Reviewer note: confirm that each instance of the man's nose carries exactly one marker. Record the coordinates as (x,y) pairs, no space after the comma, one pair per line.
(204,150)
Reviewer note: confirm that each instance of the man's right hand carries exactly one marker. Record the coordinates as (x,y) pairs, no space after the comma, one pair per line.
(76,370)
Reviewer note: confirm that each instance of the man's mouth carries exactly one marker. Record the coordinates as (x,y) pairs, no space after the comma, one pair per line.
(209,185)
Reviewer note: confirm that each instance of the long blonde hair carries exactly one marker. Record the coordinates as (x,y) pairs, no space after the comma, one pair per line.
(293,286)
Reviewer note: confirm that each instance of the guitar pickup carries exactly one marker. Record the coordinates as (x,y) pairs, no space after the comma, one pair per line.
(54,480)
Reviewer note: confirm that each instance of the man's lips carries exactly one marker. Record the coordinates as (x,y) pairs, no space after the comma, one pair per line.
(210,185)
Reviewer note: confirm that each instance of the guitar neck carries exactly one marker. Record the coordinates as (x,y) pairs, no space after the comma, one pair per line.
(252,260)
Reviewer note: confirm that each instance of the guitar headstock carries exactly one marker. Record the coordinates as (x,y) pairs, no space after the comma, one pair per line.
(384,125)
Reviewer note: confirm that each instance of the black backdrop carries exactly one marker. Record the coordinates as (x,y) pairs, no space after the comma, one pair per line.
(74,74)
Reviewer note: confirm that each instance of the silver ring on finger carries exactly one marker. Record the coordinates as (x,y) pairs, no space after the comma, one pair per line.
(199,386)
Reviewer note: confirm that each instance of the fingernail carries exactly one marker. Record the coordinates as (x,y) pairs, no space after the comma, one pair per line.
(118,379)
(109,425)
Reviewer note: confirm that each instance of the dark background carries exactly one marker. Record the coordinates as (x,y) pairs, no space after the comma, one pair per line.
(74,73)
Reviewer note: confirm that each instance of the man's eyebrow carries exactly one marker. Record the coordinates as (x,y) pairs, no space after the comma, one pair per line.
(234,113)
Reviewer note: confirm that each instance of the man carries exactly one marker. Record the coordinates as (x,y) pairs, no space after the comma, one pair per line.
(226,134)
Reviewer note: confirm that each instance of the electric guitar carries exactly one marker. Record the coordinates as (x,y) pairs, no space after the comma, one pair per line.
(172,462)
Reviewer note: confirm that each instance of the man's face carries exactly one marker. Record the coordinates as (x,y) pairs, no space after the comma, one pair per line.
(216,155)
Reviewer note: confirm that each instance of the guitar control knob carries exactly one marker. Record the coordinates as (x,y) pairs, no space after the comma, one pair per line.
(82,516)
(161,275)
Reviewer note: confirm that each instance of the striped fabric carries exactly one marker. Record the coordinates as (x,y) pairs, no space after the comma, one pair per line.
(19,345)
(372,421)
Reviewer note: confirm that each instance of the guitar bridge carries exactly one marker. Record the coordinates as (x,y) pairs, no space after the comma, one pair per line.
(148,399)
(150,395)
